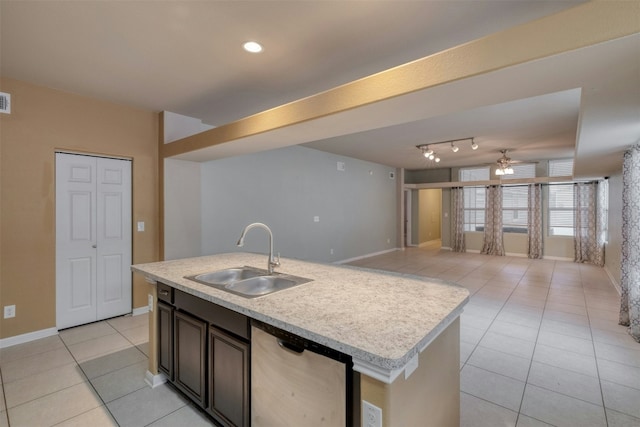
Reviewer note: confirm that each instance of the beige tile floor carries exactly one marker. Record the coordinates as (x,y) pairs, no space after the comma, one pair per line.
(540,346)
(540,342)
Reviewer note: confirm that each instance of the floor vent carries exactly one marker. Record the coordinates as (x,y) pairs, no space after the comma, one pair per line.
(5,103)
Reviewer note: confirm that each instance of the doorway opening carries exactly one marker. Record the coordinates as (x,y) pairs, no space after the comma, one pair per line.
(428,222)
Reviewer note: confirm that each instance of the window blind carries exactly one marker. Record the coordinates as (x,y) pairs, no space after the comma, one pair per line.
(474,197)
(561,210)
(561,167)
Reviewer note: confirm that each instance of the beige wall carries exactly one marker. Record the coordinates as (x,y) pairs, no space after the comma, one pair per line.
(430,397)
(429,212)
(42,121)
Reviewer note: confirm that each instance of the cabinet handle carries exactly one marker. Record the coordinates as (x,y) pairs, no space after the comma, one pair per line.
(164,293)
(290,346)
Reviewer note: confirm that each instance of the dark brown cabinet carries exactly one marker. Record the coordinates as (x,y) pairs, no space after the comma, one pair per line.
(203,349)
(190,356)
(165,339)
(228,379)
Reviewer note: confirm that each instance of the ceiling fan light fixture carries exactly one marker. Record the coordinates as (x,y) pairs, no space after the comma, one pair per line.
(499,172)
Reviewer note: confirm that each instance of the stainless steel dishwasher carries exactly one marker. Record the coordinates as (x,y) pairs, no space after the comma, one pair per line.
(296,382)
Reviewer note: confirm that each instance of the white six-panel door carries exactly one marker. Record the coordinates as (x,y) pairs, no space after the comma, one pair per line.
(93,238)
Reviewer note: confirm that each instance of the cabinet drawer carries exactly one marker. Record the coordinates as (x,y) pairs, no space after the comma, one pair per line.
(221,317)
(165,293)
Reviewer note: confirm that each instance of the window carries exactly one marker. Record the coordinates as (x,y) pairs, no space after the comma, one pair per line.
(474,198)
(475,174)
(562,167)
(515,207)
(515,200)
(561,210)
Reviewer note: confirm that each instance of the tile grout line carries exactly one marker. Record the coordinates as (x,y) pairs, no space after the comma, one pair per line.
(535,344)
(4,398)
(88,381)
(104,404)
(595,354)
(487,330)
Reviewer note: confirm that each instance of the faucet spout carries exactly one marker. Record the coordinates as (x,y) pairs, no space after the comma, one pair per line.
(271,262)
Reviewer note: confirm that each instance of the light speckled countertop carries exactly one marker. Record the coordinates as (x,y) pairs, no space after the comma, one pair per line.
(382,319)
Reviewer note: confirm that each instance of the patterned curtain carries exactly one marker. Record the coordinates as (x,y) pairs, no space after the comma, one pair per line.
(457,194)
(534,222)
(492,242)
(602,219)
(588,241)
(630,278)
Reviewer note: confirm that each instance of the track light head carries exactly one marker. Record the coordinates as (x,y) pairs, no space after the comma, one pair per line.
(454,148)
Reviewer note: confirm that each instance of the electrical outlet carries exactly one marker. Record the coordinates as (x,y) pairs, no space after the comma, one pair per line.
(371,415)
(9,311)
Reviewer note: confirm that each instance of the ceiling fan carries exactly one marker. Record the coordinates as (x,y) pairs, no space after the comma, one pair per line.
(504,164)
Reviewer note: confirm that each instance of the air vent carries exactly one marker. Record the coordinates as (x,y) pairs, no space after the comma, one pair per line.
(5,103)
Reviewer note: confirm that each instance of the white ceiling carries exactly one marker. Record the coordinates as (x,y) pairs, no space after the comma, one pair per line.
(186,57)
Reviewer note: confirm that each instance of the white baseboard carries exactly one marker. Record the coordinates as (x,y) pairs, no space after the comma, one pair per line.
(558,258)
(154,380)
(31,336)
(613,280)
(140,310)
(429,242)
(515,254)
(345,261)
(446,248)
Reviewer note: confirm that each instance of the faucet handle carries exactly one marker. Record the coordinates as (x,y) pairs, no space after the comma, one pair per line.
(276,263)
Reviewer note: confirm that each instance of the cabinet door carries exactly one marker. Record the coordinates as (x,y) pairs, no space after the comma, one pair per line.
(189,359)
(165,339)
(228,379)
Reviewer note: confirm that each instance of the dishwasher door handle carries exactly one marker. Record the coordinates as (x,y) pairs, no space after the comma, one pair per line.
(290,346)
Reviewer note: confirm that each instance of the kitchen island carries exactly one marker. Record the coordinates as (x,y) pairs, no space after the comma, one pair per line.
(402,332)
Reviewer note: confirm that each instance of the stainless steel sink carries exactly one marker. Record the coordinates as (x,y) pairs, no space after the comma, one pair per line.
(248,282)
(262,285)
(229,275)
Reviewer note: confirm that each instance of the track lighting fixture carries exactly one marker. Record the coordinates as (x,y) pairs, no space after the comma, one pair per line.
(429,153)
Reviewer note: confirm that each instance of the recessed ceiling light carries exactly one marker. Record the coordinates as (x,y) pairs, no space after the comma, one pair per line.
(253,47)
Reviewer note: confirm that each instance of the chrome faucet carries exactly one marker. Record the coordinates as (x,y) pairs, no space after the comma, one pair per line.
(271,263)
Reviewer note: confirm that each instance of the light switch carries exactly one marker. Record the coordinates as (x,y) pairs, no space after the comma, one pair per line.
(140,225)
(316,219)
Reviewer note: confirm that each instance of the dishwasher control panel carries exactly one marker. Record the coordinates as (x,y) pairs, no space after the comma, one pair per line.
(298,344)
